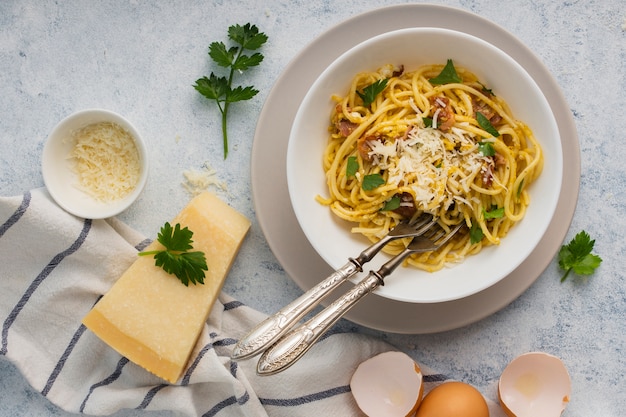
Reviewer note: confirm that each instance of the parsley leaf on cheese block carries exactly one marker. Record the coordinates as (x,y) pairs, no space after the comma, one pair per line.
(152,319)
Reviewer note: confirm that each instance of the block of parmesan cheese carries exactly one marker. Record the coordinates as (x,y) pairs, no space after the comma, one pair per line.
(148,315)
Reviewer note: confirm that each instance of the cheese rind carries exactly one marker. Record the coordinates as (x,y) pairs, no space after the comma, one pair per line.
(148,315)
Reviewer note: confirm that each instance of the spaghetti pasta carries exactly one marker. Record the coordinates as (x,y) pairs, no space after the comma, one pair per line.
(434,140)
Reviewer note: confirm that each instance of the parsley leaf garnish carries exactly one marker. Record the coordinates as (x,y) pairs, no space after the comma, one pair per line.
(486,148)
(352,166)
(494,213)
(519,189)
(369,93)
(486,125)
(220,89)
(576,256)
(372,181)
(176,259)
(391,204)
(476,233)
(448,75)
(487,91)
(428,121)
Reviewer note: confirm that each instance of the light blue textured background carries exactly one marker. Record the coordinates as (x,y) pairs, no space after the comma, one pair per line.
(141,58)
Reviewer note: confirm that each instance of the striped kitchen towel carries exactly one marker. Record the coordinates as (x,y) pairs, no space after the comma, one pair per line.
(54,267)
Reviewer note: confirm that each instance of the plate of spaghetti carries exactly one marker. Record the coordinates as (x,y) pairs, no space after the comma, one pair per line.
(426,120)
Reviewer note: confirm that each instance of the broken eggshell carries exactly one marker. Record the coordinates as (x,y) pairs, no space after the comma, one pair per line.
(534,384)
(388,385)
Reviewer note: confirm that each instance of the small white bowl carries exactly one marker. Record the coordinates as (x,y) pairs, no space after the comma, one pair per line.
(60,179)
(331,237)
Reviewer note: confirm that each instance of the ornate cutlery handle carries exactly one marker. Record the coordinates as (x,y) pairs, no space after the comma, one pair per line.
(297,342)
(269,330)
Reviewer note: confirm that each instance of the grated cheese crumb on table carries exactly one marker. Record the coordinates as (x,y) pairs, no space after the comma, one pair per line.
(199,181)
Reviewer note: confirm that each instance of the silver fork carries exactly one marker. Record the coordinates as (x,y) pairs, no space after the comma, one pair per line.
(291,347)
(272,328)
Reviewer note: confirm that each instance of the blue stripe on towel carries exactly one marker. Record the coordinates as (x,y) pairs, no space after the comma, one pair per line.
(203,351)
(143,244)
(150,395)
(17,215)
(232,400)
(38,280)
(187,376)
(68,350)
(61,363)
(305,399)
(194,364)
(106,381)
(226,403)
(233,368)
(225,342)
(232,305)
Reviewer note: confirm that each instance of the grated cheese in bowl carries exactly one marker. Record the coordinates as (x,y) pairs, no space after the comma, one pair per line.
(106,160)
(94,164)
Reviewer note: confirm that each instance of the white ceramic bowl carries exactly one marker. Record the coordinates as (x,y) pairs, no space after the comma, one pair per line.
(331,237)
(60,180)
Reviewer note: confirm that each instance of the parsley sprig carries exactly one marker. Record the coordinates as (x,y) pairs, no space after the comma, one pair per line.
(448,75)
(476,232)
(392,204)
(372,181)
(486,148)
(176,258)
(576,256)
(221,89)
(486,125)
(369,93)
(352,166)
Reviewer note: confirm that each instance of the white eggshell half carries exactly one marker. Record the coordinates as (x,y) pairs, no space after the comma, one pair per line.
(387,385)
(535,384)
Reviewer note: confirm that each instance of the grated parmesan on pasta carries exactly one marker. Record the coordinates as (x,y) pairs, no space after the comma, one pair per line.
(434,159)
(106,161)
